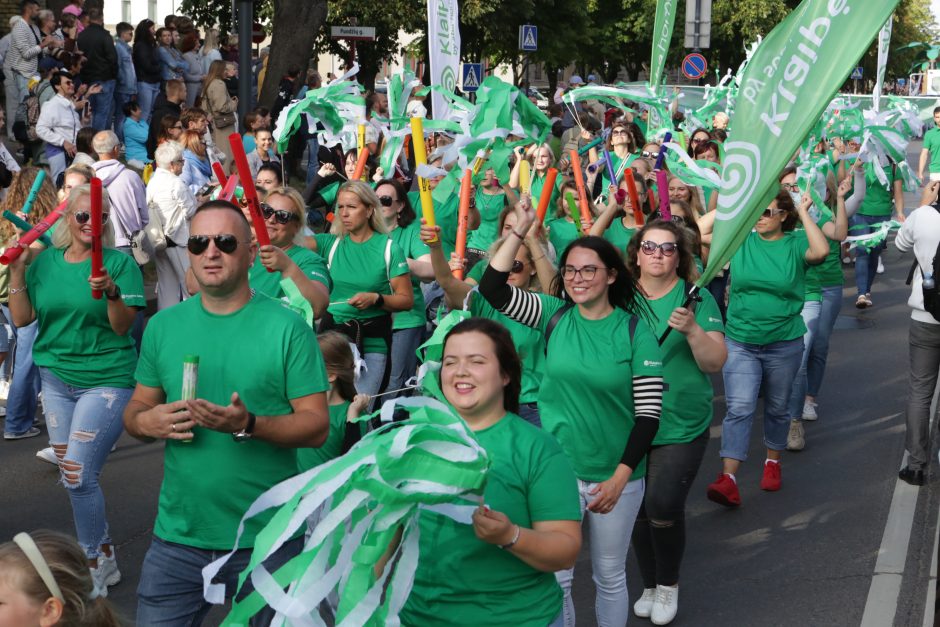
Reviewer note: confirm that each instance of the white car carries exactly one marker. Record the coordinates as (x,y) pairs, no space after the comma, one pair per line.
(541,100)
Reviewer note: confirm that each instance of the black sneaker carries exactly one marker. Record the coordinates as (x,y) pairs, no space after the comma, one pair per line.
(32,432)
(912,476)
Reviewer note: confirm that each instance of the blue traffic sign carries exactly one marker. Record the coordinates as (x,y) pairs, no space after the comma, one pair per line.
(528,38)
(694,66)
(472,74)
(857,74)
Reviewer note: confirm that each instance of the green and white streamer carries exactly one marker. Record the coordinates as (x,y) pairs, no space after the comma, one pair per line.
(615,96)
(699,173)
(362,500)
(875,238)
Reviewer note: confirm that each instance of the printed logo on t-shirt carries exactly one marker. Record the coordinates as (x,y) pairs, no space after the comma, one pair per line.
(710,319)
(655,364)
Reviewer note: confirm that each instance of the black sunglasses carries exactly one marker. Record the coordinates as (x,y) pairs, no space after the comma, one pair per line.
(197,244)
(280,216)
(517,267)
(82,217)
(649,248)
(386,201)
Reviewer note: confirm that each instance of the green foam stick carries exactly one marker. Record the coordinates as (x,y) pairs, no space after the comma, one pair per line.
(575,212)
(34,191)
(25,226)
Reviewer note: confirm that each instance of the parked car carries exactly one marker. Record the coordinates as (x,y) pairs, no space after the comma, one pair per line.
(541,100)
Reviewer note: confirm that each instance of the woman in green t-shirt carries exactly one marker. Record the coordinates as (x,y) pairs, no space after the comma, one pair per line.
(622,146)
(490,199)
(86,359)
(541,157)
(601,392)
(499,570)
(370,280)
(661,254)
(617,223)
(679,190)
(764,335)
(286,258)
(562,229)
(408,328)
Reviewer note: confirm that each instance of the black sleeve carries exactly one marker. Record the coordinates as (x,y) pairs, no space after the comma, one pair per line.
(647,407)
(522,306)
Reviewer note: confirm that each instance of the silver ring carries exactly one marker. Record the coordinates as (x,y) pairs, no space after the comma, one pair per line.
(173,426)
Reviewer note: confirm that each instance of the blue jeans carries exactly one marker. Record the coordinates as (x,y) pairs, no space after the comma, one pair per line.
(23,397)
(811,311)
(146,95)
(87,422)
(816,366)
(747,367)
(119,101)
(102,106)
(371,380)
(58,162)
(404,359)
(313,161)
(170,590)
(866,261)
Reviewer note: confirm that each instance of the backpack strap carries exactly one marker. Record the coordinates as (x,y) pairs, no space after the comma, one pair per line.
(634,321)
(910,275)
(553,322)
(388,259)
(329,258)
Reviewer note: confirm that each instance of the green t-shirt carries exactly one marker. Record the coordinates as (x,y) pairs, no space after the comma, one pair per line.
(616,162)
(408,239)
(530,344)
(619,235)
(446,207)
(75,339)
(561,233)
(687,401)
(308,458)
(829,272)
(361,267)
(586,398)
(932,144)
(269,283)
(465,581)
(767,289)
(537,182)
(489,206)
(266,353)
(476,272)
(879,200)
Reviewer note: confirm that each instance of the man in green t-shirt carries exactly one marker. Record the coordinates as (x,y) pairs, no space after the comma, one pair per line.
(931,150)
(260,392)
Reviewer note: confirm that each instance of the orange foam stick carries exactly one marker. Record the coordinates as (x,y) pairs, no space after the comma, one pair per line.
(463,219)
(582,192)
(219,173)
(546,195)
(361,159)
(634,197)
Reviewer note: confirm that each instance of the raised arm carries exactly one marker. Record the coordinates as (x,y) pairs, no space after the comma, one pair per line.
(455,290)
(818,247)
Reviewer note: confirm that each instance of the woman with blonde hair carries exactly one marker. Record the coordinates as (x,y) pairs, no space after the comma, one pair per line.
(221,108)
(542,157)
(210,49)
(86,359)
(196,167)
(370,279)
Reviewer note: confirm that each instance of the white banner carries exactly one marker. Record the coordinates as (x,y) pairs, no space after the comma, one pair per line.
(444,47)
(884,40)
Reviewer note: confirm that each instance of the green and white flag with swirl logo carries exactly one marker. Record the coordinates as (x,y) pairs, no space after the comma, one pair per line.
(444,52)
(784,88)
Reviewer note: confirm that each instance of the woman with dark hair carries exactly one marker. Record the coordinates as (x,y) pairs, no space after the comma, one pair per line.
(527,526)
(269,177)
(408,326)
(765,337)
(170,129)
(601,393)
(699,136)
(622,146)
(147,67)
(84,153)
(489,200)
(617,223)
(661,255)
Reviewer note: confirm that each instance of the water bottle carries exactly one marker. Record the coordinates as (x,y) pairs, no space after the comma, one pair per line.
(929,283)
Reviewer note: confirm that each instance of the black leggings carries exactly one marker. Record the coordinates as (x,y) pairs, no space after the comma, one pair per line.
(659,532)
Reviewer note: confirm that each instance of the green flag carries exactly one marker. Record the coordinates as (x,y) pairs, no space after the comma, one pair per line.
(785,87)
(662,35)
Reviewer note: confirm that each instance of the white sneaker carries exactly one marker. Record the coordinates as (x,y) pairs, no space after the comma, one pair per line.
(644,604)
(796,438)
(107,573)
(809,411)
(665,605)
(99,587)
(47,455)
(4,387)
(881,267)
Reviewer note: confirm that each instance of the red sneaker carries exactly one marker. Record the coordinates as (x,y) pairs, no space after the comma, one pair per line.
(724,491)
(771,479)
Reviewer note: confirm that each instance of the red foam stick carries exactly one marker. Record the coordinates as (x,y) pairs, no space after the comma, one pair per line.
(228,189)
(15,250)
(582,192)
(251,195)
(361,164)
(97,254)
(219,173)
(546,195)
(634,197)
(463,219)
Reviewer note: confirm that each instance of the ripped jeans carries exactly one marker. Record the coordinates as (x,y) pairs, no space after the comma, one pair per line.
(84,423)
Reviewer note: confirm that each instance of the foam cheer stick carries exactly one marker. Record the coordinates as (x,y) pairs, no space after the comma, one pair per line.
(33,191)
(525,177)
(579,182)
(219,173)
(611,174)
(421,158)
(230,189)
(546,195)
(463,219)
(361,157)
(251,195)
(33,234)
(634,197)
(662,183)
(97,254)
(573,208)
(587,148)
(24,226)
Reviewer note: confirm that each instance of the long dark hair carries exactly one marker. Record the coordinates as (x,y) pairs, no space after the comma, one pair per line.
(622,293)
(407,215)
(505,349)
(686,269)
(338,359)
(143,35)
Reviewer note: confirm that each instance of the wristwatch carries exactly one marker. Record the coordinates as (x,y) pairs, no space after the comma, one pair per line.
(117,293)
(248,432)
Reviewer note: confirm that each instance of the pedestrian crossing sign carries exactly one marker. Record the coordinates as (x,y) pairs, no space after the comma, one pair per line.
(472,74)
(528,38)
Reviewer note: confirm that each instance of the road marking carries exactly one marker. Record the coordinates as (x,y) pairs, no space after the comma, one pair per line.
(932,580)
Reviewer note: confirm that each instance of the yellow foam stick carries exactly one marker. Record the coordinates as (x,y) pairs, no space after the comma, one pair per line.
(361,144)
(525,182)
(421,158)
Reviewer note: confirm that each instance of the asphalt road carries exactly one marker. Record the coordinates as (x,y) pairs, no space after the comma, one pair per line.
(803,556)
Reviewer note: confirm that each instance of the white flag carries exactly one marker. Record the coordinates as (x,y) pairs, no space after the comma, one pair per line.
(884,40)
(444,48)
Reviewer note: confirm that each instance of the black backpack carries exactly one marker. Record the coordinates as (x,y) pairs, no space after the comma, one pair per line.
(931,294)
